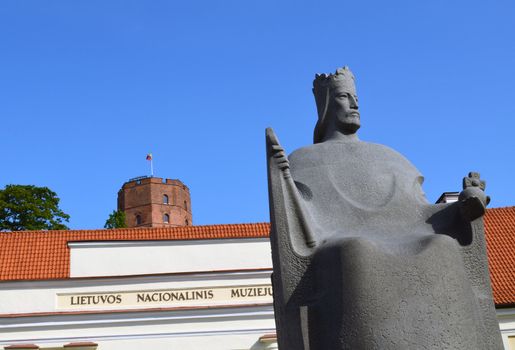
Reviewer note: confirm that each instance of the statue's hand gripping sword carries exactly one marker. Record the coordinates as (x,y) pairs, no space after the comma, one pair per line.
(277,153)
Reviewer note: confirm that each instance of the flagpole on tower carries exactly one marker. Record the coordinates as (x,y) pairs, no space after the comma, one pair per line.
(149,157)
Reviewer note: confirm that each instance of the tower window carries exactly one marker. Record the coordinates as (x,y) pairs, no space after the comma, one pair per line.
(185,206)
(138,219)
(166,218)
(165,199)
(186,222)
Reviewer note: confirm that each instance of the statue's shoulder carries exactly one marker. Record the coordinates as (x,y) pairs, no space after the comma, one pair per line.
(323,152)
(309,153)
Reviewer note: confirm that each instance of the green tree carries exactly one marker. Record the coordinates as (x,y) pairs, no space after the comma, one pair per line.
(27,207)
(116,220)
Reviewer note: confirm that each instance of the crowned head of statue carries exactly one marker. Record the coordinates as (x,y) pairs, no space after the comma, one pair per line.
(337,104)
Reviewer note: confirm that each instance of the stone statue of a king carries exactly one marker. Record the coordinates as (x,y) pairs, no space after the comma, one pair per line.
(361,259)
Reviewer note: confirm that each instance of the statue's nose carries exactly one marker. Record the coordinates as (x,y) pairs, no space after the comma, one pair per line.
(353,102)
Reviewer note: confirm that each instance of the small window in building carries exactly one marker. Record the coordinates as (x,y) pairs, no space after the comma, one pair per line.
(166,218)
(138,220)
(185,205)
(186,222)
(165,199)
(138,182)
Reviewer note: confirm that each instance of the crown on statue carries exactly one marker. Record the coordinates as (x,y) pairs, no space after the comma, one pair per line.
(342,78)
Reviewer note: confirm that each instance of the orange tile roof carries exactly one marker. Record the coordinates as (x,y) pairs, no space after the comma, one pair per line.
(500,239)
(37,255)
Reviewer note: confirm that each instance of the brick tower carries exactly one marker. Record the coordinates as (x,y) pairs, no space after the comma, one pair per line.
(155,202)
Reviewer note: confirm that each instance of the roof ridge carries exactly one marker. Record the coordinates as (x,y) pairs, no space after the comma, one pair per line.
(132,229)
(500,208)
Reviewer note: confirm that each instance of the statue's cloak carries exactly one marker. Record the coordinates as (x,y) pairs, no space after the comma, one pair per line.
(389,270)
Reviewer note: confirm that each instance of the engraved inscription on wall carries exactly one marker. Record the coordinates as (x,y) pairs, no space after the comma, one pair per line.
(189,297)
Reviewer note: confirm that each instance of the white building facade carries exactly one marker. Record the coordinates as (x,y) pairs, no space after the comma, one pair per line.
(148,294)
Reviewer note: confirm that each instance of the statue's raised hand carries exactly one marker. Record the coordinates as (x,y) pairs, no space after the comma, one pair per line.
(473,199)
(278,160)
(278,153)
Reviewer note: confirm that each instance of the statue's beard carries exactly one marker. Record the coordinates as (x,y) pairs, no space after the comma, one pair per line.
(351,123)
(347,124)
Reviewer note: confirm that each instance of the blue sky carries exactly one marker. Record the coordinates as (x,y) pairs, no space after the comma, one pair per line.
(87,88)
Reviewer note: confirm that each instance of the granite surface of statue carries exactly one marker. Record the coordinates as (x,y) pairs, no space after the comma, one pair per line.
(361,259)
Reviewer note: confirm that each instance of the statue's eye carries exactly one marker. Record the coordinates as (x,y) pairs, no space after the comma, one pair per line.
(343,95)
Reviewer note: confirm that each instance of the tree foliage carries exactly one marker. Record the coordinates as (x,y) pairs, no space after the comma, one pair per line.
(116,220)
(28,207)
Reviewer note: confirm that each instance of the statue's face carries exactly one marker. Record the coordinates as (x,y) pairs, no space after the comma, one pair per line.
(344,108)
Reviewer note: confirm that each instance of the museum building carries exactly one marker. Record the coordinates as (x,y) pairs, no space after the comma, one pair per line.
(163,283)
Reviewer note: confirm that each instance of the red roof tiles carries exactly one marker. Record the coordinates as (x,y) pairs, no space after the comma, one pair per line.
(500,239)
(36,255)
